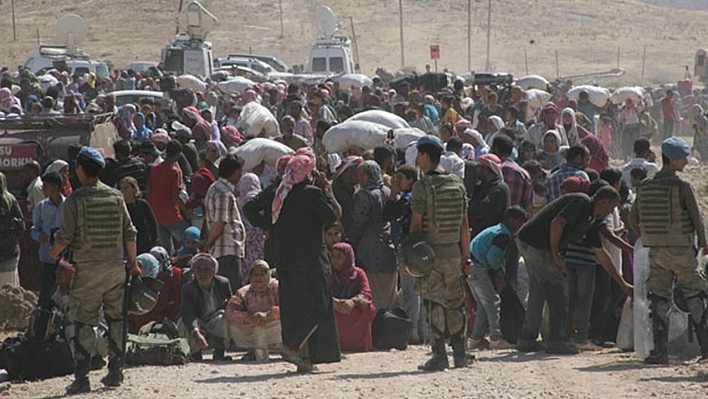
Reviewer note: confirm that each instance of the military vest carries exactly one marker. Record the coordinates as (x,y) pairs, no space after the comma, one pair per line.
(445,205)
(100,219)
(662,220)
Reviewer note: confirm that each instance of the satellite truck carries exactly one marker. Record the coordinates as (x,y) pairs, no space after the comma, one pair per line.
(189,53)
(70,32)
(330,54)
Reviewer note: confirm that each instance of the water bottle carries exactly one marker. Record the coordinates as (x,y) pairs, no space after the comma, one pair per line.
(262,354)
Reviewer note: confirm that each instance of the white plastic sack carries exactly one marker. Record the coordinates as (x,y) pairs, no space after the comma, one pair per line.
(533,82)
(354,80)
(256,118)
(259,150)
(402,137)
(191,82)
(537,98)
(597,95)
(237,84)
(354,134)
(643,336)
(393,121)
(625,331)
(627,93)
(411,153)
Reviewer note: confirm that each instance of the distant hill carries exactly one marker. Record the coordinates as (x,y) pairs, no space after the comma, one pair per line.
(701,5)
(553,38)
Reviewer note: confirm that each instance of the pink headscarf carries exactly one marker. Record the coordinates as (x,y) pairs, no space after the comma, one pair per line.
(492,162)
(348,162)
(248,187)
(299,168)
(231,136)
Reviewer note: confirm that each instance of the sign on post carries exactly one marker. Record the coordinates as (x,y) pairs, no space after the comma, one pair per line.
(434,51)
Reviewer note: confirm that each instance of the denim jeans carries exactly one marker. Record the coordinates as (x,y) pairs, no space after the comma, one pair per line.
(488,304)
(168,234)
(581,286)
(546,284)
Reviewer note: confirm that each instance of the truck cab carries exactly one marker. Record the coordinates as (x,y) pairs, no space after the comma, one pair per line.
(187,56)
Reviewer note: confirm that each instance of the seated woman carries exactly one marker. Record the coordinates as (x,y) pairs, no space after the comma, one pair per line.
(190,245)
(254,312)
(352,300)
(156,264)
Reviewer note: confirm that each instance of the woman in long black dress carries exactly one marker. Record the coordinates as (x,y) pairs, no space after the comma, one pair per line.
(140,213)
(300,212)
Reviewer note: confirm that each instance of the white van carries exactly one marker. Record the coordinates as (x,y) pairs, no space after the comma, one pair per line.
(331,56)
(60,58)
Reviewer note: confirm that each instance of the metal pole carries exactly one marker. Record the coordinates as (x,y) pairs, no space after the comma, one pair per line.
(400,13)
(526,59)
(179,10)
(644,59)
(356,46)
(14,30)
(488,67)
(280,5)
(39,41)
(469,35)
(618,57)
(557,66)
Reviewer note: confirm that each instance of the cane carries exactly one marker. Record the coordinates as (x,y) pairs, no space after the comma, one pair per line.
(126,301)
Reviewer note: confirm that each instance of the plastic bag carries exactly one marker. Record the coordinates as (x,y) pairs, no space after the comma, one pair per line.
(533,82)
(354,80)
(402,137)
(354,134)
(259,150)
(627,93)
(598,96)
(388,119)
(625,331)
(191,82)
(256,118)
(237,84)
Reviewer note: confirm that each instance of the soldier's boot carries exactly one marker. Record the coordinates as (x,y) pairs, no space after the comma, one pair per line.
(659,308)
(116,357)
(82,365)
(439,360)
(459,352)
(701,328)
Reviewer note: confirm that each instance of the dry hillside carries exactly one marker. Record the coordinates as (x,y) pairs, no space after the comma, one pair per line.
(586,33)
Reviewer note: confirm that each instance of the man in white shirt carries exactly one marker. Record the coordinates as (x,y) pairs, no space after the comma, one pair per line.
(644,158)
(450,160)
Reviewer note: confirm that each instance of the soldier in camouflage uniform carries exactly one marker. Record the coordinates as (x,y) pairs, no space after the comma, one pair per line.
(96,228)
(439,205)
(668,218)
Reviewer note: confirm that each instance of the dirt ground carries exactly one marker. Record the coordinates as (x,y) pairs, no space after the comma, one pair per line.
(495,375)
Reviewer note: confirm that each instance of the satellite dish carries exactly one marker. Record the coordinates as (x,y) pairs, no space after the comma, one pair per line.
(325,22)
(196,20)
(71,31)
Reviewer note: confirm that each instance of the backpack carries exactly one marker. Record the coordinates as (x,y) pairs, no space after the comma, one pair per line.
(391,329)
(26,359)
(157,344)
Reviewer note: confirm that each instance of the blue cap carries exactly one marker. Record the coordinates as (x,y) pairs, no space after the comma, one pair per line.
(93,154)
(675,148)
(432,140)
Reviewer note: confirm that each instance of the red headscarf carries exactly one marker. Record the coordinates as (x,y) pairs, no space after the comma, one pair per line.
(575,184)
(346,282)
(299,168)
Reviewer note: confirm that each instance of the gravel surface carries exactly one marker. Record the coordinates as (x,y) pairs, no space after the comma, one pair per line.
(495,375)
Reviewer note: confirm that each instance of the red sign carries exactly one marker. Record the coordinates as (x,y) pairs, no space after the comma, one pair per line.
(14,156)
(434,51)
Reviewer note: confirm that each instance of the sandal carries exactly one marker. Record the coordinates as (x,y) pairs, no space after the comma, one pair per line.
(290,356)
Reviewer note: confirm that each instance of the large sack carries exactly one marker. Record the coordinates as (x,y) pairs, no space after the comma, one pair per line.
(388,119)
(536,99)
(46,81)
(192,83)
(402,137)
(354,134)
(597,95)
(533,82)
(237,84)
(353,80)
(256,118)
(259,150)
(627,93)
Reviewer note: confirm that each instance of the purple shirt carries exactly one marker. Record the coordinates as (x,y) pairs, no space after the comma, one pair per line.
(519,182)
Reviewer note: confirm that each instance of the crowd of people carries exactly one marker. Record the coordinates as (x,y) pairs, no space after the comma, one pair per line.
(297,256)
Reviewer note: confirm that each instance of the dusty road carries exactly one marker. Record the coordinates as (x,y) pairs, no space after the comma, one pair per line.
(495,375)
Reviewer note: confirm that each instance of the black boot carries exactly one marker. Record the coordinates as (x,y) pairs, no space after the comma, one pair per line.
(439,360)
(82,364)
(660,329)
(116,357)
(459,352)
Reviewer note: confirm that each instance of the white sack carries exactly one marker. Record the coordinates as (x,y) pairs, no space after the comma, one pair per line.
(237,84)
(191,82)
(597,95)
(354,80)
(627,93)
(393,121)
(402,137)
(533,82)
(259,150)
(255,118)
(354,134)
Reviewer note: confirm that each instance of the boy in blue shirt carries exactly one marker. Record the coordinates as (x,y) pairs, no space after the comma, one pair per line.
(488,250)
